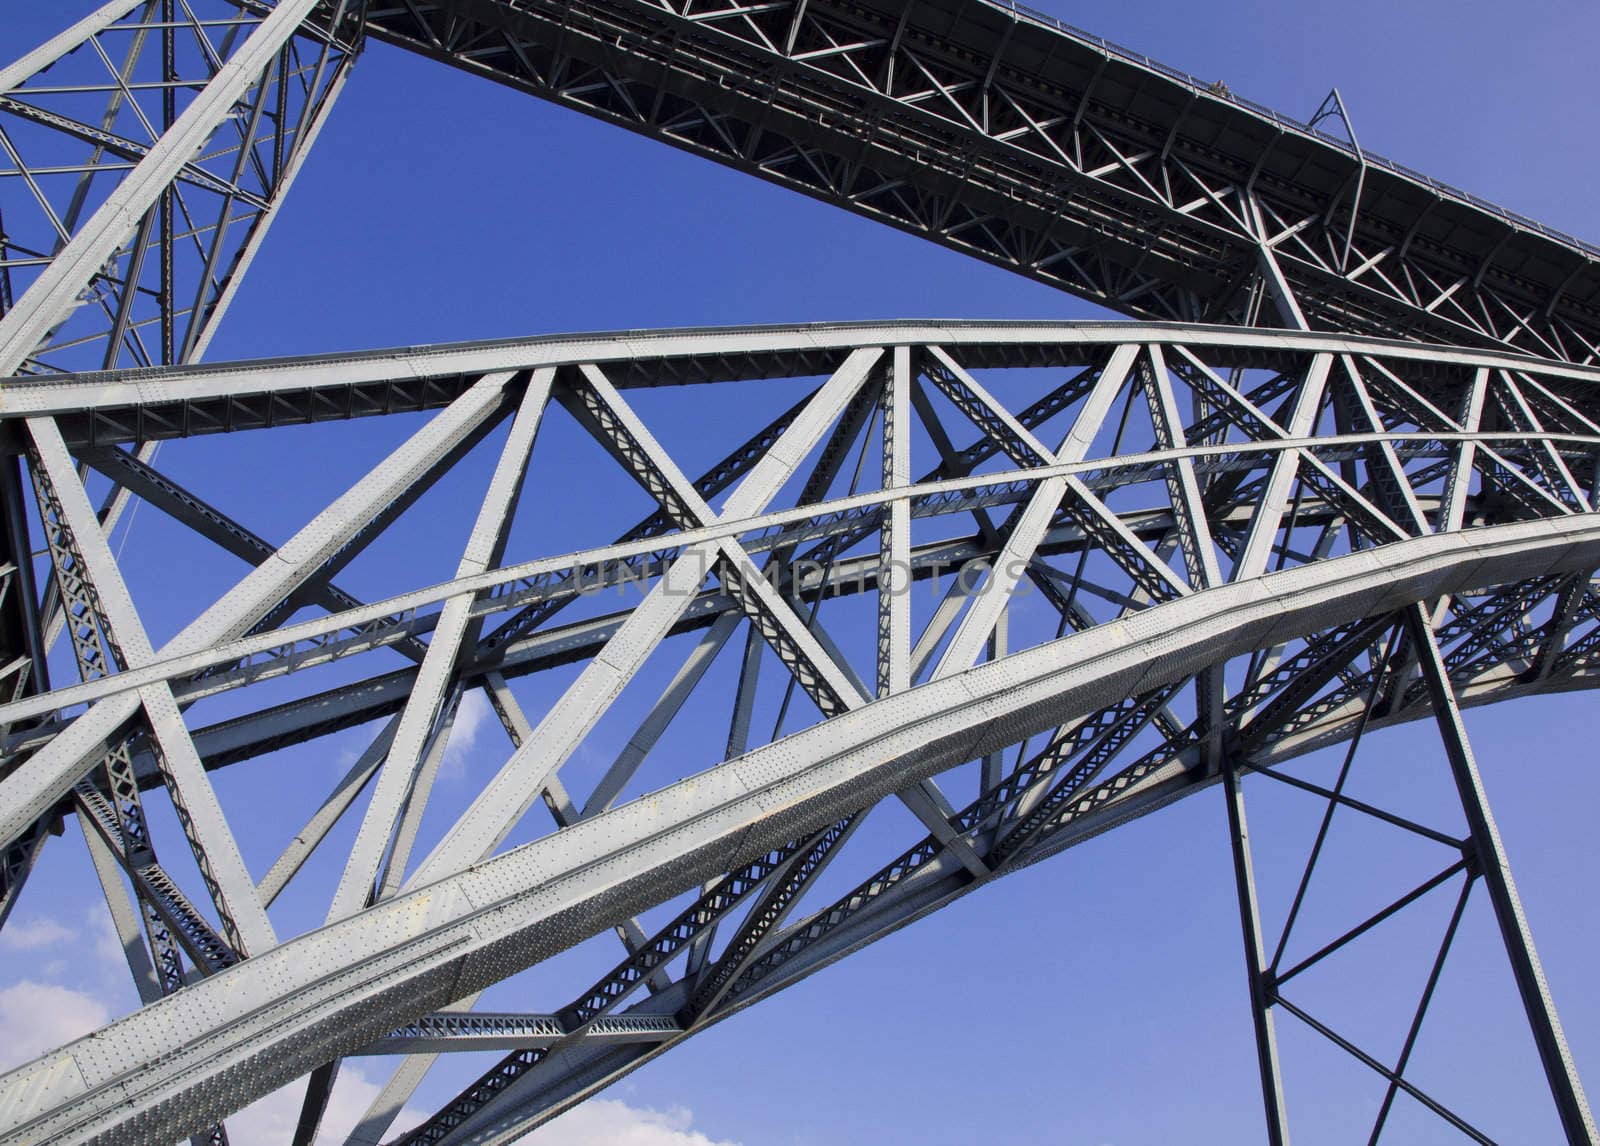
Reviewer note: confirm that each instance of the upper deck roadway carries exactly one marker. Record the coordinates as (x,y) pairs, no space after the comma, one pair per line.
(1007,135)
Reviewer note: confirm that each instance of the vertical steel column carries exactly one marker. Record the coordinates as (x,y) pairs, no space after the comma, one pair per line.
(1257,959)
(1565,1088)
(894,539)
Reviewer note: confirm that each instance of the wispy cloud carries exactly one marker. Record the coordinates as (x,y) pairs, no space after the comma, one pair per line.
(107,947)
(272,1120)
(34,934)
(87,957)
(472,715)
(606,1122)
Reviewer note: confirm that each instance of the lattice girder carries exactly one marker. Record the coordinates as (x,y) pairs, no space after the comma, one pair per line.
(1228,522)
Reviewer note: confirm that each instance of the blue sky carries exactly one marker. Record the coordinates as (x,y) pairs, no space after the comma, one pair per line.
(1095,999)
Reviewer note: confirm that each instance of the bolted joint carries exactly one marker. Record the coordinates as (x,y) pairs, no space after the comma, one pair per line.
(1267,979)
(1230,756)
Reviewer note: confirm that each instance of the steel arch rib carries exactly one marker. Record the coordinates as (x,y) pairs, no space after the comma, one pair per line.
(420,951)
(225,1041)
(1350,485)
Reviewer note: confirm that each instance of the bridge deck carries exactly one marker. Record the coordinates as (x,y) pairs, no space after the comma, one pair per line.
(1022,141)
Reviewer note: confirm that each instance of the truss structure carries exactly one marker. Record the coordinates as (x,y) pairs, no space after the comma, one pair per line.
(144,152)
(1007,135)
(1222,529)
(924,604)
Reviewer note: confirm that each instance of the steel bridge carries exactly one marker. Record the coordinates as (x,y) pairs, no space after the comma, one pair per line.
(1007,585)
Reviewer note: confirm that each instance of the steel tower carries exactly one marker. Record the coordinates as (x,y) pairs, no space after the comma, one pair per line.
(1006,585)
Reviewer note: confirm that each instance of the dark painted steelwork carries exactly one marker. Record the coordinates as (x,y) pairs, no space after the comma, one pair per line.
(1007,135)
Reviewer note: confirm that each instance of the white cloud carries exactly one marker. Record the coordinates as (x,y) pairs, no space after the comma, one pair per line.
(271,1121)
(598,1122)
(39,1017)
(32,934)
(471,715)
(107,945)
(87,956)
(606,1122)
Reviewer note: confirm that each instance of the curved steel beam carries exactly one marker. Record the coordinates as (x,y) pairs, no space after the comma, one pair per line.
(1270,463)
(226,1041)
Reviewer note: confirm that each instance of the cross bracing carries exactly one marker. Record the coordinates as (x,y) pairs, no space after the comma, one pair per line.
(986,127)
(155,141)
(1007,135)
(1198,543)
(997,587)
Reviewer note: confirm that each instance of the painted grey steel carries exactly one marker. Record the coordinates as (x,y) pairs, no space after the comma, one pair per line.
(1576,1120)
(47,774)
(1010,136)
(183,125)
(446,938)
(62,271)
(1322,531)
(754,832)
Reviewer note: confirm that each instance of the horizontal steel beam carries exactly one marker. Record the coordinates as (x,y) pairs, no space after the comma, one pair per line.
(122,406)
(455,1031)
